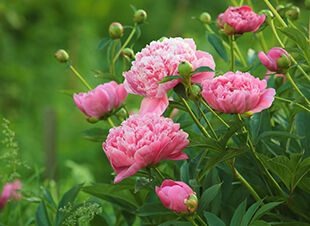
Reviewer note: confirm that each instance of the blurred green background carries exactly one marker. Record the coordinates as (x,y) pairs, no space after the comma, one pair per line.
(31,79)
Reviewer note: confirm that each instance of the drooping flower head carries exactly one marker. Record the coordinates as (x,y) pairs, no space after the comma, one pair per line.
(161,59)
(104,98)
(143,140)
(177,196)
(277,59)
(238,20)
(237,93)
(9,192)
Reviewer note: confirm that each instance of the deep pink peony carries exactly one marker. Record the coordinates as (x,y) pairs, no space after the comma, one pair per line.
(237,93)
(101,100)
(272,61)
(9,192)
(177,196)
(240,20)
(143,140)
(158,60)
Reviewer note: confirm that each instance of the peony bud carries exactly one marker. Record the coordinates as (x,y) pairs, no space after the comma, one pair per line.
(195,92)
(128,52)
(185,68)
(116,30)
(284,62)
(192,203)
(205,18)
(277,59)
(293,13)
(307,4)
(139,16)
(62,56)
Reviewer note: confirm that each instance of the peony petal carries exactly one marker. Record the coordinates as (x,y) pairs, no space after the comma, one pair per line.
(154,105)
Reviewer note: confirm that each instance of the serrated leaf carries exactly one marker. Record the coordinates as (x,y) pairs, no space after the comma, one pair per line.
(217,44)
(208,196)
(213,220)
(42,218)
(202,69)
(103,43)
(249,213)
(238,214)
(169,78)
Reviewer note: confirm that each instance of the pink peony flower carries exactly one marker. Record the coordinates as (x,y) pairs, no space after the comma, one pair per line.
(239,20)
(104,98)
(143,140)
(177,196)
(237,93)
(158,60)
(276,59)
(9,192)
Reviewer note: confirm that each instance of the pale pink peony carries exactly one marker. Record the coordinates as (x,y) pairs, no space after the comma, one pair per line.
(177,196)
(237,93)
(104,98)
(239,20)
(161,59)
(271,60)
(143,140)
(9,192)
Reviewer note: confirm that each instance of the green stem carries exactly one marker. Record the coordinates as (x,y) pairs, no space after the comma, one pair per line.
(241,3)
(240,56)
(262,41)
(110,122)
(296,87)
(80,77)
(274,11)
(206,119)
(159,173)
(112,55)
(213,112)
(283,46)
(232,55)
(201,128)
(191,220)
(292,102)
(125,44)
(201,220)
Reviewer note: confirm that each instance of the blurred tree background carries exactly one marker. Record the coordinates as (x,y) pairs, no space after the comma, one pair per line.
(32,80)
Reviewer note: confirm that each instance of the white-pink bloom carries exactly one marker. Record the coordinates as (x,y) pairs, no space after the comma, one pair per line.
(161,59)
(237,93)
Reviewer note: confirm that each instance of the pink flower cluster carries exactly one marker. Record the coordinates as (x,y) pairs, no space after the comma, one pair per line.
(9,192)
(141,141)
(238,20)
(101,100)
(161,59)
(237,93)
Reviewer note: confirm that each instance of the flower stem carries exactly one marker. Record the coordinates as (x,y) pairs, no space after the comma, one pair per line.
(292,102)
(241,58)
(159,173)
(191,220)
(110,122)
(112,55)
(201,128)
(262,41)
(274,11)
(201,220)
(206,119)
(213,112)
(241,3)
(125,44)
(80,77)
(296,87)
(232,55)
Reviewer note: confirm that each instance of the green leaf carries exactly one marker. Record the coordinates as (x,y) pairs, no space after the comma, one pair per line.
(301,171)
(276,134)
(174,104)
(249,213)
(42,215)
(264,209)
(234,127)
(176,222)
(184,172)
(151,209)
(208,196)
(180,90)
(103,43)
(49,198)
(260,223)
(95,134)
(134,9)
(169,78)
(302,124)
(202,69)
(213,220)
(67,198)
(217,44)
(198,141)
(106,76)
(68,92)
(304,184)
(238,214)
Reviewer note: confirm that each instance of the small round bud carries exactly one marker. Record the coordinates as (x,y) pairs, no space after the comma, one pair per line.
(128,52)
(116,30)
(293,13)
(185,68)
(195,92)
(162,38)
(62,56)
(307,4)
(283,62)
(92,120)
(140,16)
(191,203)
(205,18)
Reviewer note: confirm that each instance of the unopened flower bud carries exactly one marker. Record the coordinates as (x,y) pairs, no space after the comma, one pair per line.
(139,16)
(128,52)
(191,203)
(195,92)
(92,120)
(116,30)
(293,13)
(205,18)
(283,62)
(307,4)
(267,13)
(62,56)
(185,68)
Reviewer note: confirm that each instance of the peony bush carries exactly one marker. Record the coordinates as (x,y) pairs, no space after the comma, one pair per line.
(211,144)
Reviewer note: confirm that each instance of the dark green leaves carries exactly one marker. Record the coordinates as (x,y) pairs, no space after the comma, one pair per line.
(217,44)
(208,196)
(42,218)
